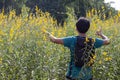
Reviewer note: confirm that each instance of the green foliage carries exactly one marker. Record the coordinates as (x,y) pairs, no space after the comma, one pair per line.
(58,8)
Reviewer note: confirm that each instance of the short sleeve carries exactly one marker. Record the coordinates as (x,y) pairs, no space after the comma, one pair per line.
(67,41)
(98,43)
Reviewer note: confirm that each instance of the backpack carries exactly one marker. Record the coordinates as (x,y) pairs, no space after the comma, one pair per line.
(84,51)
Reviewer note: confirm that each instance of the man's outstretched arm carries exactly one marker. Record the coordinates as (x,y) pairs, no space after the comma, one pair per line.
(54,39)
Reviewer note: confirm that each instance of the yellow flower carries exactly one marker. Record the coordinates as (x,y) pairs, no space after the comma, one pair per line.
(11,33)
(86,39)
(52,33)
(104,53)
(94,57)
(100,62)
(93,39)
(108,58)
(1,40)
(43,30)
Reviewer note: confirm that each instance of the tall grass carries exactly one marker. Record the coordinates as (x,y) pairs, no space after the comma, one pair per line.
(27,54)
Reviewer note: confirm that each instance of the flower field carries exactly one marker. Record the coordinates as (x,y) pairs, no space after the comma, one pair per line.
(27,54)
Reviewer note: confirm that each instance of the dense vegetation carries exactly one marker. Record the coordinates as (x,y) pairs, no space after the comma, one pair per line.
(27,54)
(59,8)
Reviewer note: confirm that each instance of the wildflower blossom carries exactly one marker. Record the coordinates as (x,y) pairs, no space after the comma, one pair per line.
(104,53)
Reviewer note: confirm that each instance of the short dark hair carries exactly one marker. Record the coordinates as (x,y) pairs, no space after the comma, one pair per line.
(82,25)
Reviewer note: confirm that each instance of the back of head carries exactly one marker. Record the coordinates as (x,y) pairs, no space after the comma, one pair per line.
(82,25)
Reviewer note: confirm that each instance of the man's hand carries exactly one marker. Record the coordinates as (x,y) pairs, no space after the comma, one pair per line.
(53,38)
(106,40)
(99,32)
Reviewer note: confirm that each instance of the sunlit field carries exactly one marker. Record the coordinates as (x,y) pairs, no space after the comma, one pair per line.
(27,54)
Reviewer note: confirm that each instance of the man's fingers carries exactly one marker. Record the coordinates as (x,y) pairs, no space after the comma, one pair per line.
(47,33)
(96,33)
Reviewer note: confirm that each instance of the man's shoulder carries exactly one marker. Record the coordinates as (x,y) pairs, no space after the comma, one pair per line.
(70,37)
(98,42)
(68,41)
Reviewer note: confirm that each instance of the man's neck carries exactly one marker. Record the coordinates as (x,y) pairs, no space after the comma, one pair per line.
(82,34)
